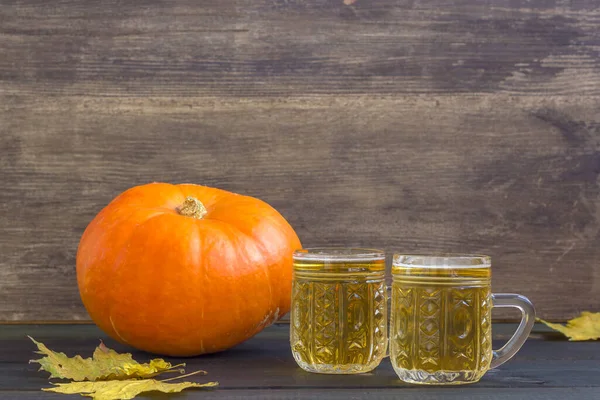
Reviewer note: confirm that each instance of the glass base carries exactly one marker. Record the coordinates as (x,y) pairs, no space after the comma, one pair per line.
(337,369)
(421,377)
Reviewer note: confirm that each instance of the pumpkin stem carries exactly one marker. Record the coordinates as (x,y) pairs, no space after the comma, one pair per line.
(192,207)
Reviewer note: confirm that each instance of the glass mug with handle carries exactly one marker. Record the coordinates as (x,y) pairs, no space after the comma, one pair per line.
(339,310)
(441,326)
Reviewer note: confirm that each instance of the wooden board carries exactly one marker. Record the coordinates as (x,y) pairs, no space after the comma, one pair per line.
(279,48)
(405,125)
(264,367)
(371,394)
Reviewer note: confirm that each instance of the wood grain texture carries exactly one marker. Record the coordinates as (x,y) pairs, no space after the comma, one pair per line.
(355,394)
(290,47)
(405,125)
(263,368)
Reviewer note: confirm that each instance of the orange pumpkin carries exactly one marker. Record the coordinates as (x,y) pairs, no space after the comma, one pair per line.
(184,270)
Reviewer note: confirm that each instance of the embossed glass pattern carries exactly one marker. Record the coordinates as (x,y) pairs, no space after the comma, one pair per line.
(339,310)
(440,329)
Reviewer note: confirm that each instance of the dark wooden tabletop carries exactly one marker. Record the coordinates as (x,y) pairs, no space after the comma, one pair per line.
(547,367)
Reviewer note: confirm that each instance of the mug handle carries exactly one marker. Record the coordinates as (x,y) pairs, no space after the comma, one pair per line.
(511,347)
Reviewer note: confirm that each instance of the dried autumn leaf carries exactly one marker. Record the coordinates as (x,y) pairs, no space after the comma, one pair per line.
(123,390)
(105,364)
(584,327)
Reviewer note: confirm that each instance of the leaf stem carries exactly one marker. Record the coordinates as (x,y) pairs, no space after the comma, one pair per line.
(185,376)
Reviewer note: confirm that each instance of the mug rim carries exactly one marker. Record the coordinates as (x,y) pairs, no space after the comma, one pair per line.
(339,253)
(441,260)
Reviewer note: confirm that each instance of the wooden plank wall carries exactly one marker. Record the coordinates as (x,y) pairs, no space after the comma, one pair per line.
(417,125)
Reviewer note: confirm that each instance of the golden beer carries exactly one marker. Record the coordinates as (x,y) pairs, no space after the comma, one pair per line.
(440,330)
(339,316)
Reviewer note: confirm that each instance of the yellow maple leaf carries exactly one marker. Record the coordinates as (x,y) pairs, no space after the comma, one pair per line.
(104,365)
(124,389)
(584,327)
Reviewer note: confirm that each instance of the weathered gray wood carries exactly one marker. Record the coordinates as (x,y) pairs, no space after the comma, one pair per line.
(515,178)
(410,125)
(290,47)
(358,393)
(264,367)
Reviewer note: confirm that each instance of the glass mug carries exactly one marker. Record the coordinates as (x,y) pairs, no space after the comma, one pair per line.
(339,310)
(441,321)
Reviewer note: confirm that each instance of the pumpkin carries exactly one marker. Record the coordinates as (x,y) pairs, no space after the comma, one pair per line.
(183,270)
